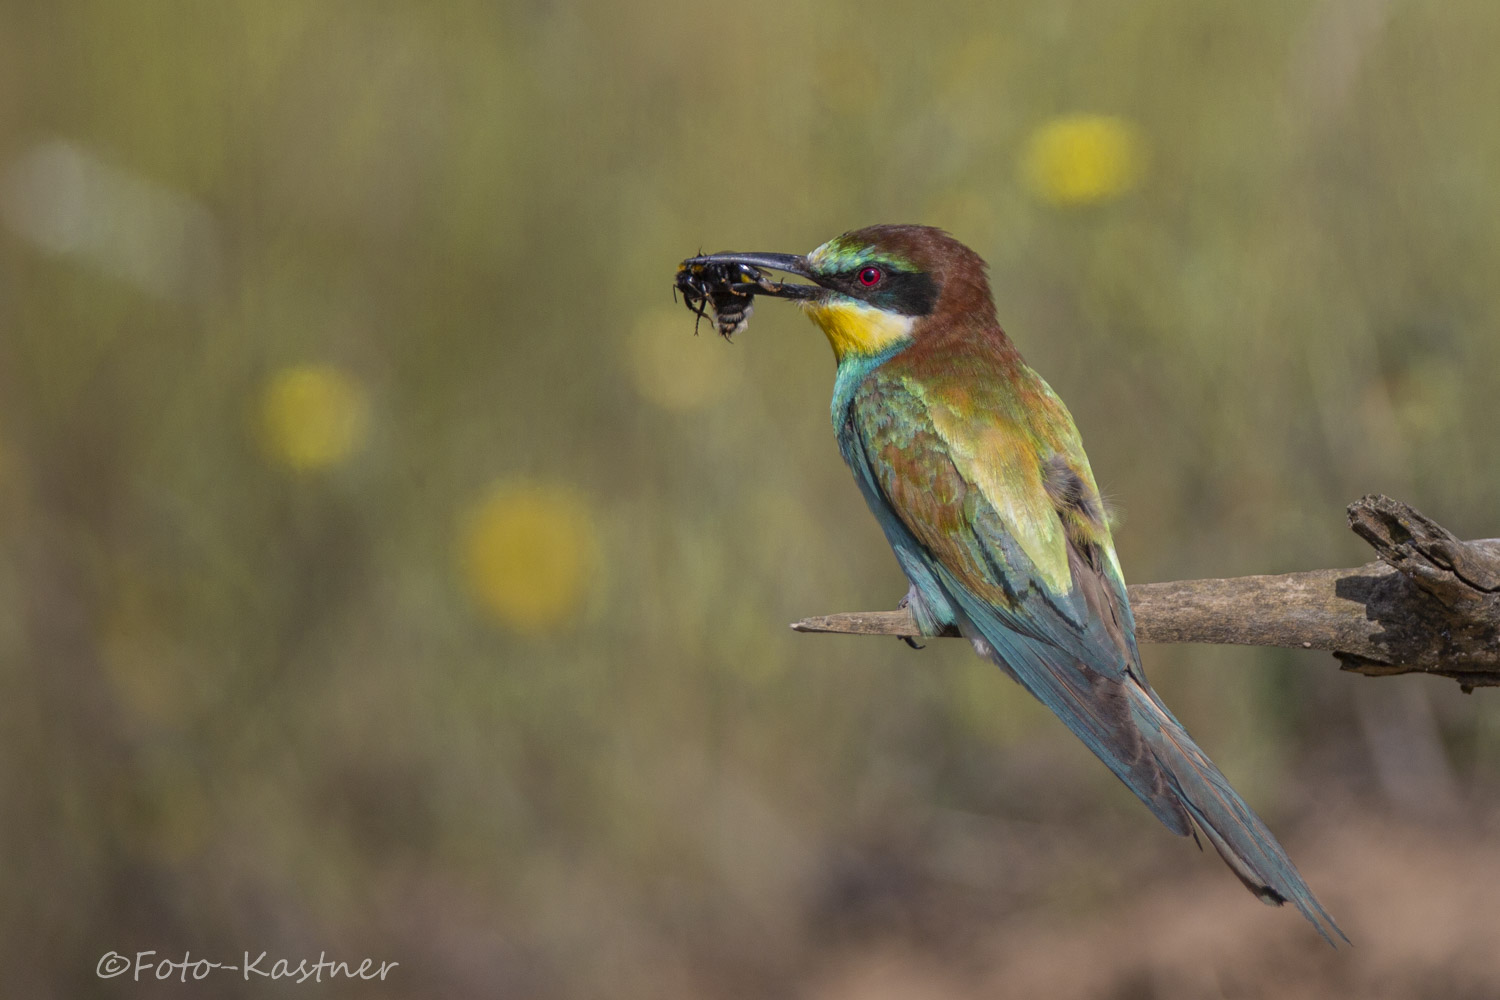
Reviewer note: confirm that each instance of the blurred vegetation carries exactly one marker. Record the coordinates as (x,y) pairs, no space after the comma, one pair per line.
(386,570)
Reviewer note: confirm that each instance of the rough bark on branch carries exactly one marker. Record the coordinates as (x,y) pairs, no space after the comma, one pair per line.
(1431,604)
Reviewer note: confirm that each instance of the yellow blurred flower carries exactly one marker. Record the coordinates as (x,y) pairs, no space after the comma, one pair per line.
(1083,159)
(529,551)
(671,369)
(313,416)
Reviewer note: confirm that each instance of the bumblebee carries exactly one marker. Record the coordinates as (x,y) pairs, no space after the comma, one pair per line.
(728,289)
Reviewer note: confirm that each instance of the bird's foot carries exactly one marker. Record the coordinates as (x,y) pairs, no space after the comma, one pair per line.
(927,624)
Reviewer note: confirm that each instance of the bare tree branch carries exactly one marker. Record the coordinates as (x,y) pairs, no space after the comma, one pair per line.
(1431,604)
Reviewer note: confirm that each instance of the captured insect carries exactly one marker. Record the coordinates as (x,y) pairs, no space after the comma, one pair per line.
(729,282)
(728,289)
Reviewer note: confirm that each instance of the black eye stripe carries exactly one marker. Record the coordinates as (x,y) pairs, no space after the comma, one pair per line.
(910,293)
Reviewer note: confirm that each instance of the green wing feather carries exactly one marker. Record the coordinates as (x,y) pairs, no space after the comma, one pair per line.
(992,479)
(978,476)
(966,478)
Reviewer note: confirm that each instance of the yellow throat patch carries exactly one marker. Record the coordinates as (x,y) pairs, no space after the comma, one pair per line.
(857,330)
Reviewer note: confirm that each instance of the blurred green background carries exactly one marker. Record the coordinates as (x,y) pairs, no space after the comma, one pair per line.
(386,570)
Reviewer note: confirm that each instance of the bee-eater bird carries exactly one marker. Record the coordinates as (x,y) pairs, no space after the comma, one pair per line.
(976,473)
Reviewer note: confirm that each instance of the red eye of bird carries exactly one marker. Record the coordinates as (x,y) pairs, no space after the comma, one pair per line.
(870,276)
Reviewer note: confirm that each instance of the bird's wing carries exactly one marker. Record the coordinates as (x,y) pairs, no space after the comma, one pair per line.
(1006,518)
(983,487)
(999,492)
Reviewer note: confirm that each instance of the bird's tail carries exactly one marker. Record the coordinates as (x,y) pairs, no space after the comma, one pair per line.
(1242,840)
(1125,724)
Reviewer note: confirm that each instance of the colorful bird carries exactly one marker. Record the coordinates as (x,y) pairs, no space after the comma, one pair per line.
(978,477)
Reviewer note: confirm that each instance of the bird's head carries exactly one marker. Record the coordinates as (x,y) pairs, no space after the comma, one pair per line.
(882,287)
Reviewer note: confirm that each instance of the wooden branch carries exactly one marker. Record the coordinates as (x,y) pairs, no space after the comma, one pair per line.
(1431,604)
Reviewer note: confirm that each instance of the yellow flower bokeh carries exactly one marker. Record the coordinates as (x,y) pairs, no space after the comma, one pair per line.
(313,416)
(672,371)
(1083,159)
(529,552)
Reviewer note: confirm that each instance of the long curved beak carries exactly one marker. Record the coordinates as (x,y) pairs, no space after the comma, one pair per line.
(789,263)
